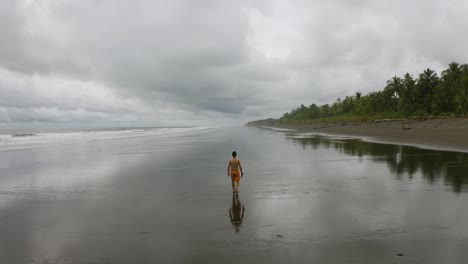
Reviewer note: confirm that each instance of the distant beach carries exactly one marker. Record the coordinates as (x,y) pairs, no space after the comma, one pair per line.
(437,133)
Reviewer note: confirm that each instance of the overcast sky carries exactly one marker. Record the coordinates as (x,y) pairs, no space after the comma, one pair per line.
(203,62)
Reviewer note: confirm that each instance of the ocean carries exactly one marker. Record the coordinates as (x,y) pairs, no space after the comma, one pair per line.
(26,138)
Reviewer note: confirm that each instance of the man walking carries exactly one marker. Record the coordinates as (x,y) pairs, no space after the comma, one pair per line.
(233,168)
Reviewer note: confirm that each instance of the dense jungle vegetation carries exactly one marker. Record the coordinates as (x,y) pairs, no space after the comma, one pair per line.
(403,97)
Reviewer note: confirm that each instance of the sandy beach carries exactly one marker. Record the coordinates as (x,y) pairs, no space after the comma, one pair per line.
(437,133)
(166,198)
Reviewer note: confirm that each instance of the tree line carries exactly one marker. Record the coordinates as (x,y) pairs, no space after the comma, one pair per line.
(426,95)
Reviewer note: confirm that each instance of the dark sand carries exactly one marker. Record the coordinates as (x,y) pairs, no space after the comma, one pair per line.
(439,133)
(167,199)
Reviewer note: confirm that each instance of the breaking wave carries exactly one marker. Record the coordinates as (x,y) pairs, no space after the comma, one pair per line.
(17,141)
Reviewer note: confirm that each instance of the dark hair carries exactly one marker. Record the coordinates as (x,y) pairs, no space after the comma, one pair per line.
(234,154)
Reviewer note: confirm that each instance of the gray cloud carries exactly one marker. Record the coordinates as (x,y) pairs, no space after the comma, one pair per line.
(211,62)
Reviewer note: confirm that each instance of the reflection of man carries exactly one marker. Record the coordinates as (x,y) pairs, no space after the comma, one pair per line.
(236,212)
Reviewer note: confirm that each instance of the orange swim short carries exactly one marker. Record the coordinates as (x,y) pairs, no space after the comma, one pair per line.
(235,176)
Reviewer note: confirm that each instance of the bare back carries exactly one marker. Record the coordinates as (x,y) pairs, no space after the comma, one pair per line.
(234,164)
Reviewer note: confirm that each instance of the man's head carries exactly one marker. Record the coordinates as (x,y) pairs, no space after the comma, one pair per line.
(234,154)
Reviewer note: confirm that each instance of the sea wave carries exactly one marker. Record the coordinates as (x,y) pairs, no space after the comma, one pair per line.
(278,129)
(23,135)
(20,141)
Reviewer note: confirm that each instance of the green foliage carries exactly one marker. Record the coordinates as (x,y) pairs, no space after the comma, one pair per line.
(265,122)
(405,96)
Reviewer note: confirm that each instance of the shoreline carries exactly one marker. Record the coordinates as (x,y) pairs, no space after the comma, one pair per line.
(439,133)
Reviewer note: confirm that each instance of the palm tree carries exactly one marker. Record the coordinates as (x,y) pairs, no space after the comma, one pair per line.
(391,93)
(406,102)
(426,84)
(448,88)
(394,87)
(358,95)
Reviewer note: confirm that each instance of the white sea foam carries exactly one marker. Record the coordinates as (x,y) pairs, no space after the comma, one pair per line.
(27,141)
(278,129)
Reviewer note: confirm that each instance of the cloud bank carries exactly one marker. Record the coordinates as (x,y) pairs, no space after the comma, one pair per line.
(211,62)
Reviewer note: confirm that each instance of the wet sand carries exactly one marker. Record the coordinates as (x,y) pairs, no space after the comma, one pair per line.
(438,133)
(167,199)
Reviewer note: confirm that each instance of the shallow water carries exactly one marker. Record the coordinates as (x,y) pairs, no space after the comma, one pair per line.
(167,199)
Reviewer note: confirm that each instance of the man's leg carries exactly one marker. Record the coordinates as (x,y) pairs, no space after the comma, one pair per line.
(237,185)
(233,185)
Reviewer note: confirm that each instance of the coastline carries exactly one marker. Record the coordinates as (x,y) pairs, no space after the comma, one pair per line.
(435,133)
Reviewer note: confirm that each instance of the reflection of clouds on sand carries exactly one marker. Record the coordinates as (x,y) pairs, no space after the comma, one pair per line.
(43,175)
(236,212)
(85,193)
(49,172)
(71,175)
